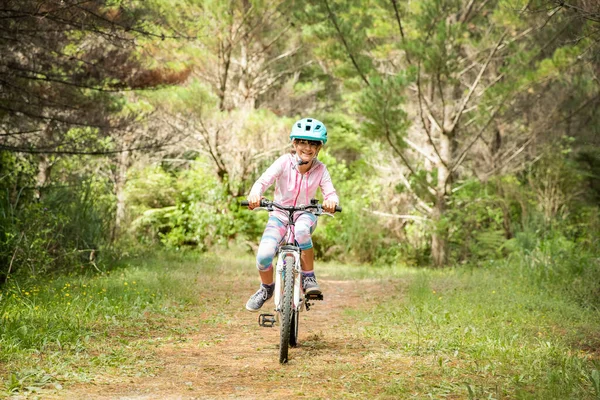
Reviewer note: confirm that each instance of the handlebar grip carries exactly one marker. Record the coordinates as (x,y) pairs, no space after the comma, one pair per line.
(338,209)
(263,203)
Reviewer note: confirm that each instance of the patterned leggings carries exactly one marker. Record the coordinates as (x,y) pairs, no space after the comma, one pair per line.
(275,232)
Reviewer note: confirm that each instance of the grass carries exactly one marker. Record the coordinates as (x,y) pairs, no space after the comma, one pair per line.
(490,333)
(69,327)
(503,330)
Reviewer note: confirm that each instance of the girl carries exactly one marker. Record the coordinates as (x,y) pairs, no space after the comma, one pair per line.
(296,176)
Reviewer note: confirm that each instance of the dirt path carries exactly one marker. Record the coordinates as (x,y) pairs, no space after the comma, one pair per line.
(232,357)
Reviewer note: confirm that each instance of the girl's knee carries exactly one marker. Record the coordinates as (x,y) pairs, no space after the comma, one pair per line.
(264,260)
(264,268)
(304,239)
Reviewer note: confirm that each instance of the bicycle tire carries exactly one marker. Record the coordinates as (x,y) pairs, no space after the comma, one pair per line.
(286,309)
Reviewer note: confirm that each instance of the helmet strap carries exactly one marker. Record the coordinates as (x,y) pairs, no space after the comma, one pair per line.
(300,162)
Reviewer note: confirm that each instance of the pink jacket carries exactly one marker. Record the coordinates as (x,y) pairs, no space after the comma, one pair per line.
(293,188)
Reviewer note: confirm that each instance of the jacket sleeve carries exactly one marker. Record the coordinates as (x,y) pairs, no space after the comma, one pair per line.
(268,177)
(327,188)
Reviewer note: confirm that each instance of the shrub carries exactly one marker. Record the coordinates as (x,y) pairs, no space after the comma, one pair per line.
(64,230)
(195,212)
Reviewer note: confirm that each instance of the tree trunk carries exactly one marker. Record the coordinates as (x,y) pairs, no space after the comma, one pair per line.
(43,176)
(439,237)
(44,163)
(120,181)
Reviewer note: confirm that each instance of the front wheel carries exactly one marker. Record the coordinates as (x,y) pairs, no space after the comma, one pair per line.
(286,311)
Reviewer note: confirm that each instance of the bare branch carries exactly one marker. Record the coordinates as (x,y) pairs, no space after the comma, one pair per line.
(509,159)
(7,133)
(82,152)
(397,216)
(396,150)
(463,154)
(50,118)
(425,126)
(467,12)
(474,85)
(590,16)
(421,151)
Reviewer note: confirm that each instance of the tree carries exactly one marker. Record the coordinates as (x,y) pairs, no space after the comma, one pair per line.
(247,53)
(233,141)
(248,49)
(440,79)
(65,65)
(68,73)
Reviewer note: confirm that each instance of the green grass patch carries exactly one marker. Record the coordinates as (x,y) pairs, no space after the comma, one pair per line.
(493,332)
(68,327)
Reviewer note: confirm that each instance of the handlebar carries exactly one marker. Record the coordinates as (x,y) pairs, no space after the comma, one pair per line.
(265,203)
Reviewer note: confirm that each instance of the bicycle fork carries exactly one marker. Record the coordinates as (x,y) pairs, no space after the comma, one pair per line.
(280,268)
(269,320)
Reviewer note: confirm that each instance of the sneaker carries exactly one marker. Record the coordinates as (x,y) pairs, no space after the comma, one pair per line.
(310,285)
(257,300)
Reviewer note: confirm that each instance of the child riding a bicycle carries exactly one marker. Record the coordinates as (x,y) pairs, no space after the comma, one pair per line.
(296,176)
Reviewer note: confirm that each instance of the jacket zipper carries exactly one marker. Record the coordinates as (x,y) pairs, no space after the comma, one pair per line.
(299,189)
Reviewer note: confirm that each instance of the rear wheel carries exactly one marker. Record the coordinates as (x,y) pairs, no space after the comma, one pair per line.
(285,326)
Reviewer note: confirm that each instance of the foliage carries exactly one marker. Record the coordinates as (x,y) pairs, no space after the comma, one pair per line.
(355,235)
(555,183)
(442,114)
(383,107)
(480,223)
(194,211)
(487,219)
(451,87)
(64,231)
(66,228)
(64,64)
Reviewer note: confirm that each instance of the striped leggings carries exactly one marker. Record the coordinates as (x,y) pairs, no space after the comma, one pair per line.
(274,234)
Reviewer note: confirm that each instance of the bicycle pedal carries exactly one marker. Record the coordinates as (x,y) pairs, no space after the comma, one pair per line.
(266,320)
(314,296)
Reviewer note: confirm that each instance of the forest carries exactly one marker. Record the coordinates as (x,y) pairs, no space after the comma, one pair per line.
(464,136)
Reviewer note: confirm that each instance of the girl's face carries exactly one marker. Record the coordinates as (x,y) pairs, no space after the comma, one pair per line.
(307,149)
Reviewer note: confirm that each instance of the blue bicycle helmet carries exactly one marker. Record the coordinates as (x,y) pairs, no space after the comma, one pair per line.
(309,129)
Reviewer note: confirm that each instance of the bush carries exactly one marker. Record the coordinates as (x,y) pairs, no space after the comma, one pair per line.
(480,220)
(65,229)
(355,235)
(194,212)
(561,266)
(489,220)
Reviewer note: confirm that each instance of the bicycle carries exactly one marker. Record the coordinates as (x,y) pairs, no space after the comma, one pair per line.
(288,285)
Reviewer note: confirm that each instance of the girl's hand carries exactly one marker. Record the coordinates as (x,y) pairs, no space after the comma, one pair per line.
(329,206)
(253,201)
